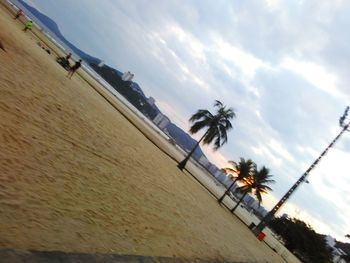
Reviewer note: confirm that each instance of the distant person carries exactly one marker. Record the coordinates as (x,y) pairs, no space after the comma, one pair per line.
(74,68)
(19,14)
(69,55)
(28,25)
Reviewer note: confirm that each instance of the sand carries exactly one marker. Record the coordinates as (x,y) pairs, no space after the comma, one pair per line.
(76,175)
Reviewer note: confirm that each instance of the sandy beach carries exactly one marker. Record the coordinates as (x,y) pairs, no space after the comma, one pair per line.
(77,175)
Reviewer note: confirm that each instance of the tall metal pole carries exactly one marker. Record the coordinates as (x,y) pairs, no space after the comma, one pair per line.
(265,221)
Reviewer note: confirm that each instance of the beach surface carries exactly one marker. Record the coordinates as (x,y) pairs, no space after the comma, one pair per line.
(78,176)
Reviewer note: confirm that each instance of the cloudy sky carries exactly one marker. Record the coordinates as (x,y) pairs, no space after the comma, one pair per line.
(282,65)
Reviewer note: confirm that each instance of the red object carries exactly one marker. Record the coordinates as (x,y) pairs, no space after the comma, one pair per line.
(261,236)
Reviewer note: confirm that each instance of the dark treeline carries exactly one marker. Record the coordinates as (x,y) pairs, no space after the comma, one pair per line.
(302,240)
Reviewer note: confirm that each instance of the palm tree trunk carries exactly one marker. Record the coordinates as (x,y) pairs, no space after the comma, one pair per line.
(227,191)
(181,165)
(240,200)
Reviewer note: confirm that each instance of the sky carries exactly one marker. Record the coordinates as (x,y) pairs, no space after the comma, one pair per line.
(282,65)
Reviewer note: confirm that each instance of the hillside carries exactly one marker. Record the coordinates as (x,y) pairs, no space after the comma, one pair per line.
(128,89)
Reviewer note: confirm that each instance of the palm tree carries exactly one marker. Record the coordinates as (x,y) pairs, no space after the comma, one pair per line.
(256,184)
(262,179)
(217,126)
(244,169)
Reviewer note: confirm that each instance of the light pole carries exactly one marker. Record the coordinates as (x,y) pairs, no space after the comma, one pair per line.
(265,221)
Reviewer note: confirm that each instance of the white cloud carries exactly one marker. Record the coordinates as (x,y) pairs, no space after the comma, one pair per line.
(265,151)
(280,150)
(196,48)
(273,4)
(274,151)
(246,61)
(315,74)
(331,177)
(307,150)
(165,38)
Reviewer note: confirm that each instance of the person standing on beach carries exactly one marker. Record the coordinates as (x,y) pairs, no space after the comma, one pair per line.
(69,55)
(28,25)
(19,14)
(74,68)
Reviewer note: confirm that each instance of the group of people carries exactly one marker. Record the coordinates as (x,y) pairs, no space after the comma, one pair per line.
(75,67)
(29,25)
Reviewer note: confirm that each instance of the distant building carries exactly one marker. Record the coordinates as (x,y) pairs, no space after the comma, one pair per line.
(101,64)
(261,210)
(336,252)
(227,181)
(151,101)
(161,121)
(209,168)
(338,255)
(158,118)
(127,76)
(212,169)
(219,173)
(330,241)
(222,177)
(225,178)
(204,161)
(250,201)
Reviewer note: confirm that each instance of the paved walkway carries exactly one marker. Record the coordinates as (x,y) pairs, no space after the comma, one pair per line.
(23,256)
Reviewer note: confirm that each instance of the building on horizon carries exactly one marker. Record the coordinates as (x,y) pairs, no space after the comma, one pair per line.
(337,253)
(161,121)
(127,76)
(101,64)
(203,160)
(151,101)
(250,201)
(223,178)
(219,173)
(261,210)
(212,169)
